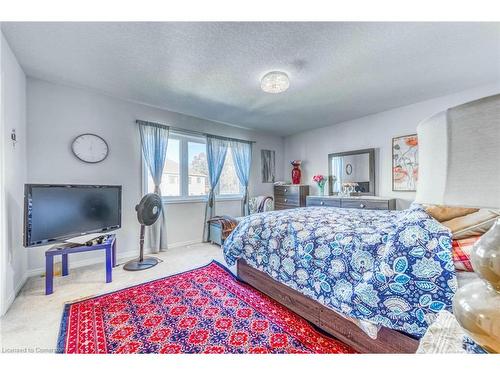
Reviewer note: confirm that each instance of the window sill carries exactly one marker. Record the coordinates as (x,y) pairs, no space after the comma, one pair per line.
(184,200)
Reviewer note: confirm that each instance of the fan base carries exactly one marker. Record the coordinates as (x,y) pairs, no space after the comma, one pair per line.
(137,265)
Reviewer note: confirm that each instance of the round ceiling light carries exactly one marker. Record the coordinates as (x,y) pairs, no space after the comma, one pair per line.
(275,82)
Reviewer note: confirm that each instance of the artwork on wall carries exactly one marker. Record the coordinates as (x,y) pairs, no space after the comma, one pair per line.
(405,163)
(268,165)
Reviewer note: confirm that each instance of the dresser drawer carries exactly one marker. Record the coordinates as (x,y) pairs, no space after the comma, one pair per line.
(292,200)
(318,201)
(290,196)
(287,190)
(365,204)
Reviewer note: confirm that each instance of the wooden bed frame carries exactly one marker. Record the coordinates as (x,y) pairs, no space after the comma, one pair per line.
(388,340)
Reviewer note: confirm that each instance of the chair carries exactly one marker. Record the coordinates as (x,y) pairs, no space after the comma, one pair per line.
(257,204)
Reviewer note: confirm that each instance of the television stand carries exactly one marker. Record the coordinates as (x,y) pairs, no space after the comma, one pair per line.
(66,248)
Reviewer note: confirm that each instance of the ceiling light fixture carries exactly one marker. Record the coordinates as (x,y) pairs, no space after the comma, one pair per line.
(275,82)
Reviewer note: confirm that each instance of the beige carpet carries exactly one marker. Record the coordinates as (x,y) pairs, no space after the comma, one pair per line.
(32,322)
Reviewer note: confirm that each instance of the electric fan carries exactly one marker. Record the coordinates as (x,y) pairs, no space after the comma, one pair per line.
(148,211)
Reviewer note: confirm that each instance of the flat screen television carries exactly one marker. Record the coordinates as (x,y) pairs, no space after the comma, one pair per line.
(53,213)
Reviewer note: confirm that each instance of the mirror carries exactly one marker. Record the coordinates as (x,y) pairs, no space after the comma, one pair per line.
(356,167)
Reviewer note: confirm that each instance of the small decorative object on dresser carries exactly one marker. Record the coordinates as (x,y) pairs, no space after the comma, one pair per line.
(296,172)
(367,203)
(320,181)
(290,196)
(348,188)
(405,163)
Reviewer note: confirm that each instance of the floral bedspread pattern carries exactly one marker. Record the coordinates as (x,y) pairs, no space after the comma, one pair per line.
(391,268)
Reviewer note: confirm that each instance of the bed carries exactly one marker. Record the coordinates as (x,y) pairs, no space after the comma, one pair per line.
(375,279)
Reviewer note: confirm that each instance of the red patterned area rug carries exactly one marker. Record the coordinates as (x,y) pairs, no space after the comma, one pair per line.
(206,310)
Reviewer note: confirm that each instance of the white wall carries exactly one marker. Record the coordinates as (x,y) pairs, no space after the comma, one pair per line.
(13,116)
(374,131)
(57,113)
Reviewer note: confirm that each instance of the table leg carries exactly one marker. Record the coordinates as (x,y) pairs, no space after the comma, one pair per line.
(65,271)
(49,274)
(109,266)
(114,253)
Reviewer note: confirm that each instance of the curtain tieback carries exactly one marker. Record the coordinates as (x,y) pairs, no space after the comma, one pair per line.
(245,197)
(211,198)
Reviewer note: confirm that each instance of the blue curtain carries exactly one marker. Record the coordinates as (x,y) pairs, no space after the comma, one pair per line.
(154,141)
(242,156)
(216,155)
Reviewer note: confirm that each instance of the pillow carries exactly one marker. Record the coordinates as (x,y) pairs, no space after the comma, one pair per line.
(474,224)
(460,251)
(445,213)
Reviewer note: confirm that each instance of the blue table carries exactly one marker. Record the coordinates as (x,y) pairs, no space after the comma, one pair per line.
(108,245)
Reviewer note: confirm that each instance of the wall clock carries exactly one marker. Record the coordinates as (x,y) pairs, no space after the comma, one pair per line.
(90,148)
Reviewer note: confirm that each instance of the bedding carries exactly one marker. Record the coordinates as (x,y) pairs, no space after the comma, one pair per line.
(390,268)
(461,250)
(474,224)
(445,213)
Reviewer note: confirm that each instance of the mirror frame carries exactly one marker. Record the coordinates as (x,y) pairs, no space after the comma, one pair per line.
(371,162)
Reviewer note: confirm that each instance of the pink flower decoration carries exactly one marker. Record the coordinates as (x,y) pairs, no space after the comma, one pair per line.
(318,178)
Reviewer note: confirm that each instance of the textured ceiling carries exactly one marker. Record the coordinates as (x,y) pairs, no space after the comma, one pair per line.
(338,71)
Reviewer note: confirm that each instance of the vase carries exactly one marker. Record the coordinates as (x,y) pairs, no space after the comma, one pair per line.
(296,172)
(476,305)
(321,190)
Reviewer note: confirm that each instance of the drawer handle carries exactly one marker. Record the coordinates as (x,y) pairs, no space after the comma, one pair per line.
(286,190)
(362,205)
(286,200)
(322,203)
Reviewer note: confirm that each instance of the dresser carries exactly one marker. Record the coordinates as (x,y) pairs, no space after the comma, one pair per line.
(290,196)
(364,202)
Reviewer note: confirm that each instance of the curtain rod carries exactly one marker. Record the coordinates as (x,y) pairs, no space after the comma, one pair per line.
(194,132)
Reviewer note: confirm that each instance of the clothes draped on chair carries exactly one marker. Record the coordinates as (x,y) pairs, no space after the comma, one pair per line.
(242,156)
(216,155)
(262,203)
(154,141)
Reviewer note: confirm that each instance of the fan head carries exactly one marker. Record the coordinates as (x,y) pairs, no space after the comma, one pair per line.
(149,209)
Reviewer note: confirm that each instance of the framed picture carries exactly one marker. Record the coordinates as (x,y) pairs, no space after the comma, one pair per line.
(405,163)
(268,165)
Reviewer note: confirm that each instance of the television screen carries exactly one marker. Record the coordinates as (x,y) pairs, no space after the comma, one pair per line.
(57,212)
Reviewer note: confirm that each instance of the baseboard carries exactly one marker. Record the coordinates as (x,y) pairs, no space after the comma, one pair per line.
(14,294)
(183,243)
(121,256)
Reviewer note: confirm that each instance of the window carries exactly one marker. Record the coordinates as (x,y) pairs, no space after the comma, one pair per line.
(197,167)
(229,182)
(185,175)
(170,186)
